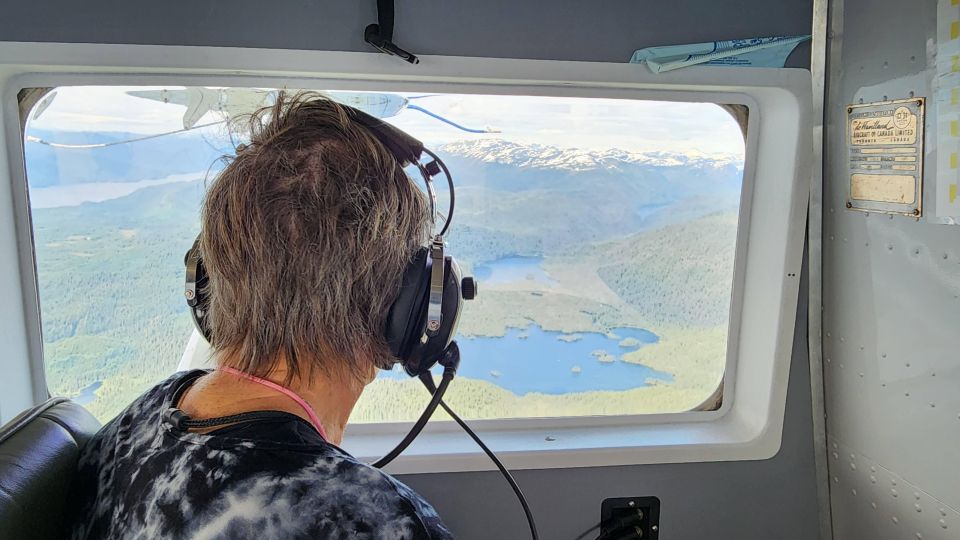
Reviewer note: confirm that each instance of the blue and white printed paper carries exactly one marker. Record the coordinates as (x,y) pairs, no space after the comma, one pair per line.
(755,52)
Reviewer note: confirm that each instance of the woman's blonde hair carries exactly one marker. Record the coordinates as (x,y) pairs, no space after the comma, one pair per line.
(305,235)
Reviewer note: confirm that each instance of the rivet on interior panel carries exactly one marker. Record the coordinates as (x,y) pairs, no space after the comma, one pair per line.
(943,524)
(932,404)
(874,505)
(861,374)
(943,512)
(853,466)
(873,479)
(836,480)
(906,394)
(895,520)
(911,93)
(873,469)
(917,508)
(894,494)
(836,455)
(919,536)
(854,492)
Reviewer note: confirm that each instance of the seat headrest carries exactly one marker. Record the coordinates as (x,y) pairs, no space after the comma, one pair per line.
(39,450)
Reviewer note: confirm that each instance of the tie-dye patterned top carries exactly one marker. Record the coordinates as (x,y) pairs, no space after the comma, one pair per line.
(140,477)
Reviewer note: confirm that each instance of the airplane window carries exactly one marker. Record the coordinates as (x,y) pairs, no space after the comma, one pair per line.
(602,233)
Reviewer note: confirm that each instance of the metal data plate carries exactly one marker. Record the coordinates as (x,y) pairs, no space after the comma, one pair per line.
(885,156)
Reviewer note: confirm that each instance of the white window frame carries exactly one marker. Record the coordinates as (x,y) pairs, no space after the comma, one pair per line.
(770,236)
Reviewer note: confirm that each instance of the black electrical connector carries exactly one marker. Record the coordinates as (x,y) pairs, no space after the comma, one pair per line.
(627,518)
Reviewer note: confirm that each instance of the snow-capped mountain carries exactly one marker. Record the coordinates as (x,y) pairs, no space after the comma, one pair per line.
(540,156)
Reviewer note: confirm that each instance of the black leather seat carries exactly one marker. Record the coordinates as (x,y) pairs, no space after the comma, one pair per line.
(38,456)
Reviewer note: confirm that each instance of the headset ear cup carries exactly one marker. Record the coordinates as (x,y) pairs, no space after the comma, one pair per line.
(196,288)
(406,319)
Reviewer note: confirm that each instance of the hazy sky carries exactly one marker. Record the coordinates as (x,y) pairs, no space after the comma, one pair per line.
(591,123)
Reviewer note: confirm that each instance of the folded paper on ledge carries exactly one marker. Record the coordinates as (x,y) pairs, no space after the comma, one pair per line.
(755,52)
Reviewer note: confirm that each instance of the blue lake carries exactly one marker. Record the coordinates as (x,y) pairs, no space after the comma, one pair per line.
(88,394)
(535,360)
(513,269)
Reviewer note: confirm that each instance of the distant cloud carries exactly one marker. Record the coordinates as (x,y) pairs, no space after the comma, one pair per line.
(589,123)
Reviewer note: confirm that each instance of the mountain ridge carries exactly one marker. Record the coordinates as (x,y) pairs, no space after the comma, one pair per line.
(546,156)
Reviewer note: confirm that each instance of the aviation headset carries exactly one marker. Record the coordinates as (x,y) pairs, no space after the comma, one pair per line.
(423,319)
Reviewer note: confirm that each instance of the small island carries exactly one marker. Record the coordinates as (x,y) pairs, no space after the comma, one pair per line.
(603,356)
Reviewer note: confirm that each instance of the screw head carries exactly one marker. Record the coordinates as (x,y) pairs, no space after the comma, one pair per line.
(189,294)
(849,204)
(433,326)
(916,211)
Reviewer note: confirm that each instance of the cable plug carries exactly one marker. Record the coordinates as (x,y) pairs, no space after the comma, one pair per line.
(450,359)
(623,527)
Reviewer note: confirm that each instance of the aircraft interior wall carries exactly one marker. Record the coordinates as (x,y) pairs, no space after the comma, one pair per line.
(766,499)
(890,293)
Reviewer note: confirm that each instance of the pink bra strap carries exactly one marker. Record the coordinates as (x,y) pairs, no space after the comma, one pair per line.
(314,419)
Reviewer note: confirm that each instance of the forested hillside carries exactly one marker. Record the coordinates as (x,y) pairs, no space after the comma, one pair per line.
(636,240)
(679,274)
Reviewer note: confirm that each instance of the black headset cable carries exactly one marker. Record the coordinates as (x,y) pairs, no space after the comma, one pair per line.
(446,173)
(428,382)
(450,361)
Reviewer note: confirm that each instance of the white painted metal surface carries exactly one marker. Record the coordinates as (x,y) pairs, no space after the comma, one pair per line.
(891,301)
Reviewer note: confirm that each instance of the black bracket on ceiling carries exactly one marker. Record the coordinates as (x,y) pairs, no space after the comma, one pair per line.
(380,35)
